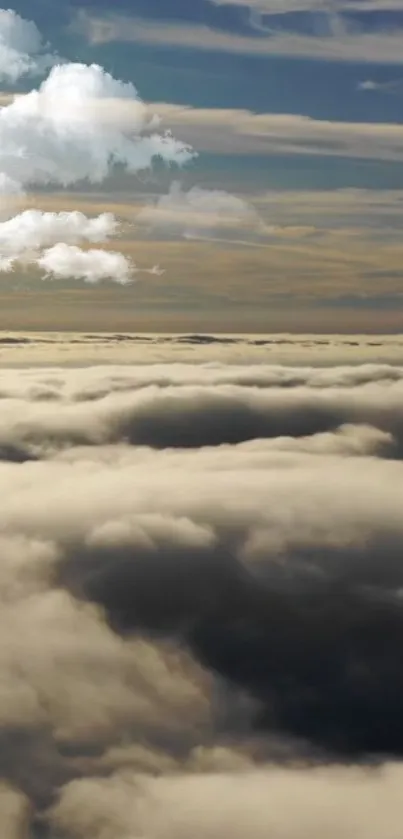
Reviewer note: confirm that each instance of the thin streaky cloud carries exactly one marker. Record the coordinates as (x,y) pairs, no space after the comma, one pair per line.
(241,131)
(339,45)
(279,7)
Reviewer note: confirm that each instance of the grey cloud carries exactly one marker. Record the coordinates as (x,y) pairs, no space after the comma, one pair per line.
(294,804)
(176,619)
(79,351)
(168,411)
(201,213)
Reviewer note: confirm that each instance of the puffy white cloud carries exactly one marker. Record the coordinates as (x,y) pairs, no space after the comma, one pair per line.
(57,134)
(62,133)
(21,48)
(33,230)
(23,238)
(64,261)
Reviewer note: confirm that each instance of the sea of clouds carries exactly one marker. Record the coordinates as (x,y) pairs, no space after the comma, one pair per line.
(201,578)
(201,587)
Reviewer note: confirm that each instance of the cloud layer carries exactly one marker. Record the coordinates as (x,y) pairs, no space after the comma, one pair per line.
(201,600)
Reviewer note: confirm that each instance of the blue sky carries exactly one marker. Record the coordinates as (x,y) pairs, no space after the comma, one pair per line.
(295,109)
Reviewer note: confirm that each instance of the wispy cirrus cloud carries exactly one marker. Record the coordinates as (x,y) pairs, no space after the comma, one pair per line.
(280,7)
(339,44)
(241,131)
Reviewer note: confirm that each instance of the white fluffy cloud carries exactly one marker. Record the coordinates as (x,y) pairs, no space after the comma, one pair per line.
(33,230)
(23,238)
(62,133)
(21,48)
(58,134)
(64,261)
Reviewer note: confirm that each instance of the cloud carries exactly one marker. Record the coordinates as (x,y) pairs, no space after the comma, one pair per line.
(34,230)
(192,628)
(393,86)
(66,261)
(241,131)
(256,804)
(368,84)
(23,237)
(15,810)
(341,43)
(53,134)
(209,411)
(60,134)
(280,7)
(200,212)
(22,51)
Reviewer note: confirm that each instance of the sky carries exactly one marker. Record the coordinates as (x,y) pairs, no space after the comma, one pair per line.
(276,203)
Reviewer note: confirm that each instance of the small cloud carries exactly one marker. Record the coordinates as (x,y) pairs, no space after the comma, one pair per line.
(368,84)
(64,262)
(155,271)
(390,86)
(200,212)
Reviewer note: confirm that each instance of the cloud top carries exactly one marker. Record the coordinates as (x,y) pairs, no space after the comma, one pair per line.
(200,594)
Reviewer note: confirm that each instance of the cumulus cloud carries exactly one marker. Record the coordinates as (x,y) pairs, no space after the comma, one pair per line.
(34,230)
(65,261)
(60,134)
(22,51)
(53,134)
(23,237)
